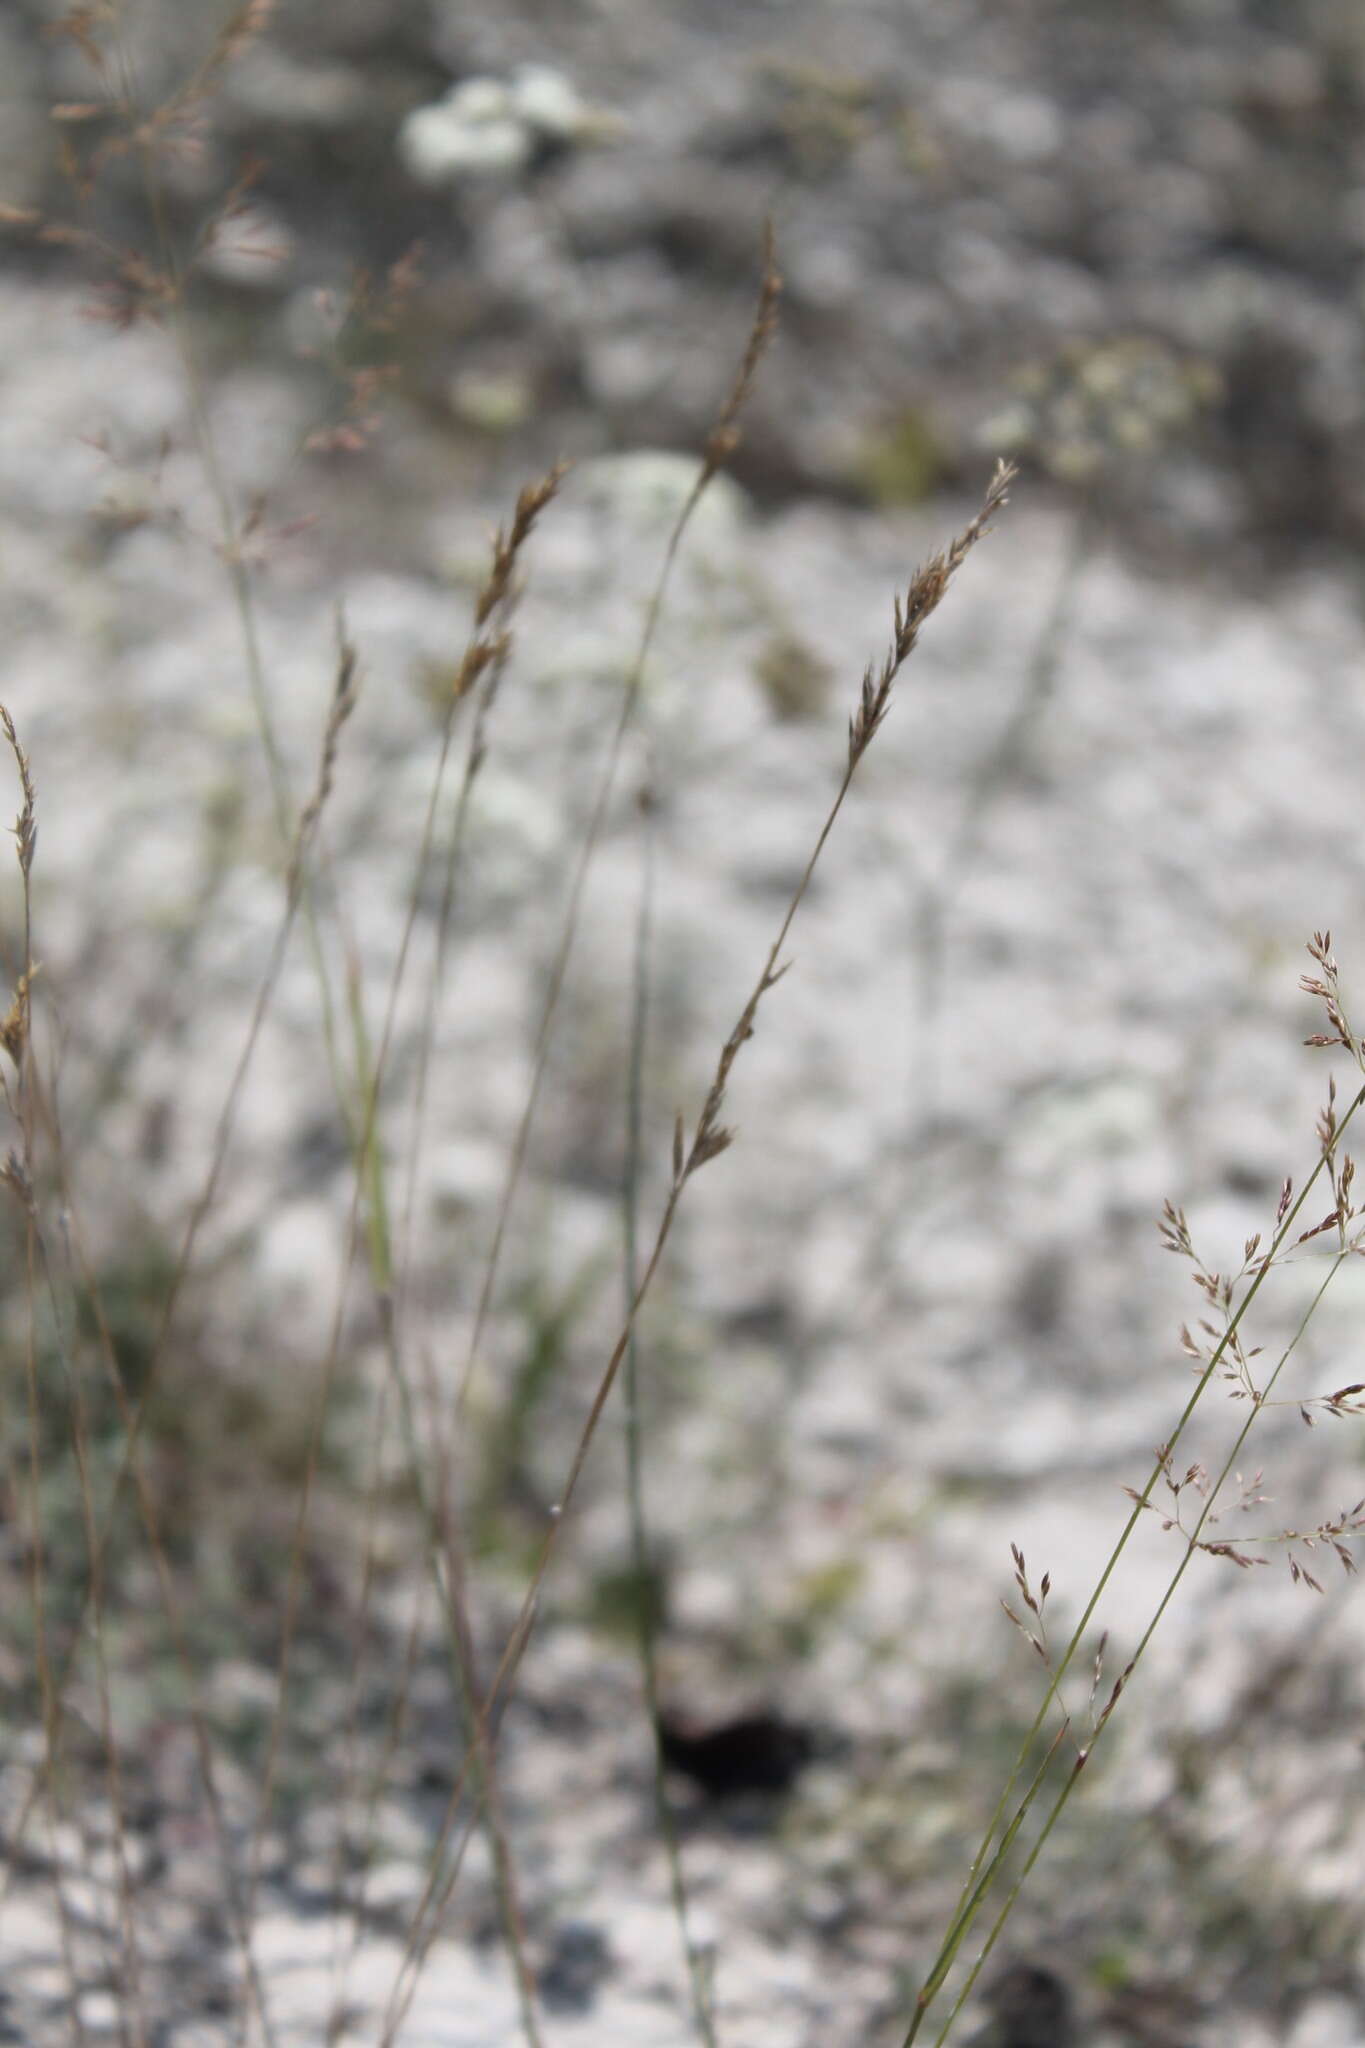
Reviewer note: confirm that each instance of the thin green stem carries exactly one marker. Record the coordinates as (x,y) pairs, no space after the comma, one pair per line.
(641,1560)
(977,1887)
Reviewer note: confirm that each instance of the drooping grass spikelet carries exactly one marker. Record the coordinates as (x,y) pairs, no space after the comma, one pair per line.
(925,594)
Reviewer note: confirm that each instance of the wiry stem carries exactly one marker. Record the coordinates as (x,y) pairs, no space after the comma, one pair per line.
(709,1138)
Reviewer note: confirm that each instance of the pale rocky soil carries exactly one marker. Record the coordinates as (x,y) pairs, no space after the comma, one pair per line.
(1046,979)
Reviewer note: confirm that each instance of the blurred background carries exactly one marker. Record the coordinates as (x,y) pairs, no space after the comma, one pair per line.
(294,300)
(971,204)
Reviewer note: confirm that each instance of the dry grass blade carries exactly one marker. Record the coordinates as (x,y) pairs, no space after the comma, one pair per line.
(345,690)
(709,1139)
(483,658)
(129,1967)
(928,587)
(166,289)
(720,441)
(18,1174)
(135,1416)
(25,827)
(694,1958)
(723,437)
(482,664)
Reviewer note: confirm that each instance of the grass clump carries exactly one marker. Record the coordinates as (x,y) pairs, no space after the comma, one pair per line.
(386,1500)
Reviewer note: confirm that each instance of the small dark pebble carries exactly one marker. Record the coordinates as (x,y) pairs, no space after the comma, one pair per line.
(752,1753)
(578,1964)
(1031,2007)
